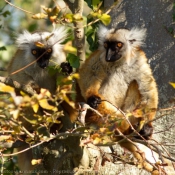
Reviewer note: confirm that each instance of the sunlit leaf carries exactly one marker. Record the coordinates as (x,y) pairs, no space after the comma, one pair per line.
(35,107)
(51,120)
(95,2)
(69,48)
(106,19)
(45,92)
(103,130)
(32,121)
(39,16)
(46,9)
(16,129)
(44,104)
(53,18)
(56,10)
(68,17)
(97,140)
(36,161)
(172,84)
(94,14)
(15,113)
(5,88)
(76,76)
(39,44)
(77,17)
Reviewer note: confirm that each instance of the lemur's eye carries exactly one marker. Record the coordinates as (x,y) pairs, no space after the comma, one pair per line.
(34,52)
(49,50)
(119,44)
(105,45)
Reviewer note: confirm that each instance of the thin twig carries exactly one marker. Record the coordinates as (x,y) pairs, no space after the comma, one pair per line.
(18,7)
(24,150)
(2,163)
(121,134)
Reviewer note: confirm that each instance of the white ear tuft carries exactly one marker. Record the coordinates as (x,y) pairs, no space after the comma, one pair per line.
(56,37)
(23,39)
(102,31)
(136,37)
(60,34)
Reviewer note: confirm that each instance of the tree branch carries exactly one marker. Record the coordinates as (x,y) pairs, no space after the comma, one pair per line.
(16,85)
(79,30)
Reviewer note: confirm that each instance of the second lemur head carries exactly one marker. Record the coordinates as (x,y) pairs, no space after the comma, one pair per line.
(120,43)
(43,46)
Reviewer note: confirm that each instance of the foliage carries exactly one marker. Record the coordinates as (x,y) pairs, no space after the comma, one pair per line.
(41,112)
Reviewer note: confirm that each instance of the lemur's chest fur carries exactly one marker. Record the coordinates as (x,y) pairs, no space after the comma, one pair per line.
(116,82)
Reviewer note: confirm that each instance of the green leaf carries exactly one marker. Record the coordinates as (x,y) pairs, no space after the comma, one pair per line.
(31,121)
(6,13)
(95,2)
(106,19)
(89,31)
(33,26)
(42,130)
(92,40)
(73,60)
(53,70)
(3,48)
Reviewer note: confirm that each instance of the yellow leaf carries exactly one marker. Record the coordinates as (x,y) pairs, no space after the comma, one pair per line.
(105,19)
(172,84)
(32,121)
(51,120)
(76,76)
(70,49)
(45,92)
(53,18)
(39,16)
(44,104)
(15,113)
(47,10)
(56,10)
(97,140)
(93,14)
(16,129)
(36,161)
(77,17)
(5,88)
(103,130)
(35,107)
(27,99)
(68,17)
(39,44)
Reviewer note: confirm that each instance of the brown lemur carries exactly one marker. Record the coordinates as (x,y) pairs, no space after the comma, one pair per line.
(118,72)
(35,52)
(118,76)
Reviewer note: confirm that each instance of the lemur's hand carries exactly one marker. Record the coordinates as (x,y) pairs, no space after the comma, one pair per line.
(94,101)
